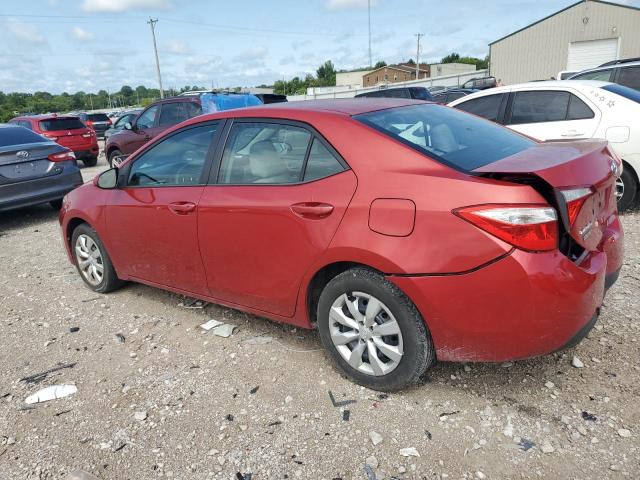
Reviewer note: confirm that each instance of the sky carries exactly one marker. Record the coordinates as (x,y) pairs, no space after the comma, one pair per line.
(72,45)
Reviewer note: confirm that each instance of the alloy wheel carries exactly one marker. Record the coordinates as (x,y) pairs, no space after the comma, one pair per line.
(365,333)
(89,259)
(619,188)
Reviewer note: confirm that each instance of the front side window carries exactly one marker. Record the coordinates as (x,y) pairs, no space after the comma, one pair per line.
(630,77)
(148,118)
(178,160)
(264,153)
(487,106)
(445,134)
(124,119)
(321,163)
(539,106)
(602,75)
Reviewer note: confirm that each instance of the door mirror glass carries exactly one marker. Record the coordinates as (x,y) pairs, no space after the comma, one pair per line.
(128,126)
(108,179)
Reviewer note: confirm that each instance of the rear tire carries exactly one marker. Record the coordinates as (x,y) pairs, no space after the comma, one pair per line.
(350,334)
(90,162)
(56,204)
(113,154)
(92,260)
(629,189)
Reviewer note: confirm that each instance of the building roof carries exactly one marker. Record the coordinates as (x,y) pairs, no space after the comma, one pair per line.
(563,10)
(401,68)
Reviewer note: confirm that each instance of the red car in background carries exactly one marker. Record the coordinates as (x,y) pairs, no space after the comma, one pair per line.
(404,231)
(66,130)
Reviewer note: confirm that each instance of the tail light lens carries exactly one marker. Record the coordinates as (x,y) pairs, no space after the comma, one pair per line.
(88,134)
(50,137)
(528,227)
(575,198)
(62,156)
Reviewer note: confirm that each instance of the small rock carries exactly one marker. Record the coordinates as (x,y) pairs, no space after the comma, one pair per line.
(11,440)
(401,469)
(550,385)
(467,368)
(141,416)
(480,475)
(582,430)
(164,351)
(624,433)
(288,399)
(576,362)
(119,338)
(371,461)
(564,419)
(507,365)
(409,452)
(546,447)
(74,329)
(375,437)
(80,475)
(614,468)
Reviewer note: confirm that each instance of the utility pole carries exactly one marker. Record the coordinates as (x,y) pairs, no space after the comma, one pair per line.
(91,101)
(418,35)
(152,24)
(369,10)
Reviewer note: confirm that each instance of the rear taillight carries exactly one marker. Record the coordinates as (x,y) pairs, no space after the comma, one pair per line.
(575,198)
(62,157)
(50,137)
(88,134)
(528,227)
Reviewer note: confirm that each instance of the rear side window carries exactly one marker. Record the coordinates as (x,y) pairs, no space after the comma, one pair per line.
(539,106)
(172,114)
(630,77)
(487,107)
(578,110)
(321,162)
(18,136)
(454,138)
(55,124)
(602,75)
(97,117)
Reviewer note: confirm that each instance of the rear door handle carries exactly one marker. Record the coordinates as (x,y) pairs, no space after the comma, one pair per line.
(313,210)
(182,208)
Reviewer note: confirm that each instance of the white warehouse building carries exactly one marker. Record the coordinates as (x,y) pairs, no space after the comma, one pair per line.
(584,35)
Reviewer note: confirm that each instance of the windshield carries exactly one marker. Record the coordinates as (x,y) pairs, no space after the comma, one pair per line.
(61,124)
(455,138)
(97,117)
(18,136)
(626,92)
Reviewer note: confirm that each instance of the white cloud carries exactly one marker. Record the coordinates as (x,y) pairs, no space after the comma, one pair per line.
(117,6)
(177,47)
(341,4)
(25,33)
(81,34)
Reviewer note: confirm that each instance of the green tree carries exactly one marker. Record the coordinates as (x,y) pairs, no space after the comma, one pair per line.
(380,64)
(326,74)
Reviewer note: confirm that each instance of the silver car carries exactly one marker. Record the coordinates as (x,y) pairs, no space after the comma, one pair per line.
(34,169)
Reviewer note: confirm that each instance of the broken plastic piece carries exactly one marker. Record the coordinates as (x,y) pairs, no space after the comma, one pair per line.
(210,324)
(51,393)
(225,330)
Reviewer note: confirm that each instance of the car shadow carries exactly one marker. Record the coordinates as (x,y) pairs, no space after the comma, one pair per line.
(26,217)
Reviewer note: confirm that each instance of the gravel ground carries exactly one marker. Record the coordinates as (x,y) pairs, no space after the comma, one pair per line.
(160,398)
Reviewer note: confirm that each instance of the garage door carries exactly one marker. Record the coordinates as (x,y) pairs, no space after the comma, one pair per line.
(591,53)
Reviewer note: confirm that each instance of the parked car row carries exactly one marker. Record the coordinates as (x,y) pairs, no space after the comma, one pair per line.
(365,217)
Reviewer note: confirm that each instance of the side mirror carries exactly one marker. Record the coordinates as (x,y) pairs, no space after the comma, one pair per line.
(108,179)
(128,126)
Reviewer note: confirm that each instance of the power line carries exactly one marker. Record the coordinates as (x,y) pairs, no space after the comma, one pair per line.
(369,15)
(152,24)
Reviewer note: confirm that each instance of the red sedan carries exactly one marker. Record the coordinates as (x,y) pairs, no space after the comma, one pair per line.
(404,231)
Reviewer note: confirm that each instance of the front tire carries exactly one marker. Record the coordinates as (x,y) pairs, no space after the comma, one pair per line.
(626,189)
(373,332)
(92,260)
(90,161)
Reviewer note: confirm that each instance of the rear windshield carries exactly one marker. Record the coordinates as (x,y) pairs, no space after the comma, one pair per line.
(61,124)
(455,138)
(97,117)
(18,136)
(626,92)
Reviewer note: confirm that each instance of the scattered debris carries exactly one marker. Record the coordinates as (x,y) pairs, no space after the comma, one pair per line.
(38,377)
(119,338)
(80,475)
(546,447)
(375,437)
(550,385)
(254,390)
(210,324)
(140,415)
(624,433)
(61,413)
(427,433)
(409,452)
(189,302)
(525,444)
(51,393)
(507,365)
(288,399)
(243,476)
(589,417)
(576,362)
(259,340)
(341,403)
(74,329)
(346,414)
(218,328)
(93,299)
(369,471)
(371,462)
(273,424)
(448,414)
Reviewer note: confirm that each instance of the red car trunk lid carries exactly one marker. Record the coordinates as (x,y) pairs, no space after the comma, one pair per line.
(585,168)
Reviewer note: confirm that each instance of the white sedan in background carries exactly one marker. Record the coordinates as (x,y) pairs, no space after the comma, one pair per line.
(570,110)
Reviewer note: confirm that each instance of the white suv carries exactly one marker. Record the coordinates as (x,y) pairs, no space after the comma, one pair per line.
(569,110)
(622,72)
